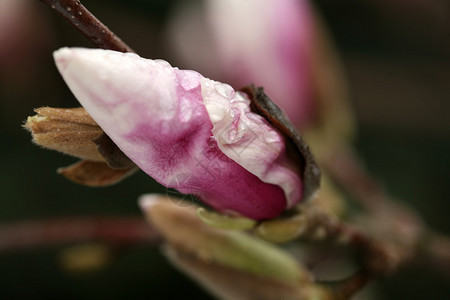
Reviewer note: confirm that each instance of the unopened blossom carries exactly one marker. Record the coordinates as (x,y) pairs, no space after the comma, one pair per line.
(186,131)
(269,43)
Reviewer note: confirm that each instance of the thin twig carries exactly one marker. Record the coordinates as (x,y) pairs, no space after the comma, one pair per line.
(347,288)
(402,227)
(85,22)
(375,254)
(112,230)
(437,251)
(344,166)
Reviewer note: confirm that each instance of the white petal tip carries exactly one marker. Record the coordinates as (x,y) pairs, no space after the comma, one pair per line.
(148,201)
(62,56)
(62,53)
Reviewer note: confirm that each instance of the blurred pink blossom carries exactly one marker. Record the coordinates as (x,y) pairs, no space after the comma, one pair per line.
(24,36)
(265,42)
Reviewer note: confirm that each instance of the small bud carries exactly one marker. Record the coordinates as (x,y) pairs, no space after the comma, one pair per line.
(224,221)
(231,284)
(282,230)
(234,249)
(70,131)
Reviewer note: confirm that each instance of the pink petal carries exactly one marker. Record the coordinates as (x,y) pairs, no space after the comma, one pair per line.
(268,43)
(156,115)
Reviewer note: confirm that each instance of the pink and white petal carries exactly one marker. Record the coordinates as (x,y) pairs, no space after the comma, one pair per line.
(155,114)
(249,140)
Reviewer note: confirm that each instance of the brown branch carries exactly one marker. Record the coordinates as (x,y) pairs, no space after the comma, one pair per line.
(347,288)
(86,23)
(437,251)
(113,230)
(402,230)
(376,255)
(344,166)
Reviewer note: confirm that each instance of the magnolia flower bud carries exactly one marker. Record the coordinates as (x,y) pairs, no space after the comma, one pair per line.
(186,131)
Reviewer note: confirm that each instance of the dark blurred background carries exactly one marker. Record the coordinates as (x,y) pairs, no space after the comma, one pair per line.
(396,55)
